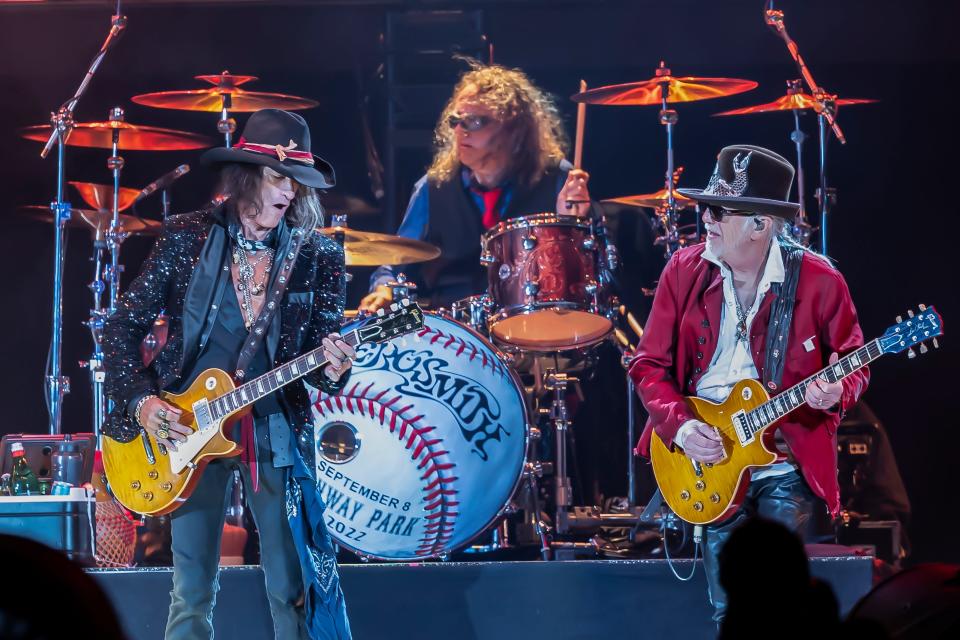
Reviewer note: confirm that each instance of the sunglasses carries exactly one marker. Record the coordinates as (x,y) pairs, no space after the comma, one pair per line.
(717,213)
(469,122)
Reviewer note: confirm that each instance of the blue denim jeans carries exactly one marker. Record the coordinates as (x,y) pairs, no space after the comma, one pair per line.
(196,529)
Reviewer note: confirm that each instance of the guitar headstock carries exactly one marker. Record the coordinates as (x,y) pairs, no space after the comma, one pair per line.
(919,327)
(401,317)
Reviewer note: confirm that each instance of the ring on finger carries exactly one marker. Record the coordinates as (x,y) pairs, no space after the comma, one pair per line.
(162,433)
(162,414)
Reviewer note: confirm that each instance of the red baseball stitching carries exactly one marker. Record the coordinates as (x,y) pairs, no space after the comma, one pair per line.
(429,455)
(461,345)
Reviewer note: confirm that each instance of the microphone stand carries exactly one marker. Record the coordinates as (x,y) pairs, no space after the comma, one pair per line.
(62,124)
(826,108)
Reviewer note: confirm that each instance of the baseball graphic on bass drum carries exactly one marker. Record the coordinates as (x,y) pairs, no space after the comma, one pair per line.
(423,448)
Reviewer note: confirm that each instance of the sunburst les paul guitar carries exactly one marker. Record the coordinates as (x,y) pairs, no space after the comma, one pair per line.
(702,493)
(149,479)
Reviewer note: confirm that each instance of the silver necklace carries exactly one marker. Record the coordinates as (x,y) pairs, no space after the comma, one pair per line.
(741,320)
(247,286)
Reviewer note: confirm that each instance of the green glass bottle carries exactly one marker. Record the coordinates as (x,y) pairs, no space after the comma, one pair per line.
(23,481)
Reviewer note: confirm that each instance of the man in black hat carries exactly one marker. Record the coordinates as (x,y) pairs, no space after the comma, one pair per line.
(247,285)
(750,303)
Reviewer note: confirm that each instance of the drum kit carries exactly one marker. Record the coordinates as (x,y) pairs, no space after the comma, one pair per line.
(437,440)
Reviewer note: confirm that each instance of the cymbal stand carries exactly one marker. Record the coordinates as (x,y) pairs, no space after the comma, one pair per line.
(801,228)
(563,494)
(62,124)
(226,124)
(98,316)
(667,214)
(826,108)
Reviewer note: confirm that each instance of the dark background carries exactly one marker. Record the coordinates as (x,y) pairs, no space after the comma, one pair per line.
(892,233)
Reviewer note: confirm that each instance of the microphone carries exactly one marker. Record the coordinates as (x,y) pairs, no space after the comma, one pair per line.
(163,181)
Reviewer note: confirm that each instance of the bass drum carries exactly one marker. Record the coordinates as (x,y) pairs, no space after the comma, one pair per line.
(424,447)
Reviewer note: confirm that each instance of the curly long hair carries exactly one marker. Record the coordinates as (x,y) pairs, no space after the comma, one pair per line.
(241,182)
(530,117)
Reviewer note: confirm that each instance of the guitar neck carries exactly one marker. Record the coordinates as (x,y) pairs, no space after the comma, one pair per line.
(764,415)
(249,392)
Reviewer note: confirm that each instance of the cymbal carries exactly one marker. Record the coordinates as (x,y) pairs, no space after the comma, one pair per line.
(369,249)
(686,89)
(132,137)
(100,196)
(790,102)
(211,99)
(96,220)
(653,200)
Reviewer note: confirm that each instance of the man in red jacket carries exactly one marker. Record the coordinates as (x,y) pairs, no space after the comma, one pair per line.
(750,303)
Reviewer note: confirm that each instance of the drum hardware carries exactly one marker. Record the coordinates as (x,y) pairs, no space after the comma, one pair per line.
(58,133)
(225,96)
(100,196)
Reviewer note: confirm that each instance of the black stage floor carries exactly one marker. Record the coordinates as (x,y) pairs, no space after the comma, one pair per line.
(583,599)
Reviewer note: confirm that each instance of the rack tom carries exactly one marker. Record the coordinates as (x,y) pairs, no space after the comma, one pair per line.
(545,283)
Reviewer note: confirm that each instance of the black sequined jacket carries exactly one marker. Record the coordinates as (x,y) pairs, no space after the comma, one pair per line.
(178,276)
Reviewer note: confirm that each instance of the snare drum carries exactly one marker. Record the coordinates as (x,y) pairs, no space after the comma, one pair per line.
(544,276)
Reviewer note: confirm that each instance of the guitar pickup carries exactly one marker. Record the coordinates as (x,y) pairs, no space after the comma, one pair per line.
(201,411)
(741,425)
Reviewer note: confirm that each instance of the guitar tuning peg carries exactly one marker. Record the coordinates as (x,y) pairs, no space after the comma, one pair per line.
(380,312)
(923,348)
(922,307)
(910,312)
(936,345)
(911,353)
(394,307)
(405,302)
(899,319)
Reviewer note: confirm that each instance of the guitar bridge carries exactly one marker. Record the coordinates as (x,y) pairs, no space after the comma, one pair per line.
(741,425)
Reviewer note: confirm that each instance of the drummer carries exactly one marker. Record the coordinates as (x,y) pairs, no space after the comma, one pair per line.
(500,155)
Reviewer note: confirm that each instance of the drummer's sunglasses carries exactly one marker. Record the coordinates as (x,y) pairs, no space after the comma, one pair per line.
(717,213)
(470,122)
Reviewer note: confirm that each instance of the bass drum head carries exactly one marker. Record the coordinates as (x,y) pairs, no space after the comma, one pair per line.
(424,447)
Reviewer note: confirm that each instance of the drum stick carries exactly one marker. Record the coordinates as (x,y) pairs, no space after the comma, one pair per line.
(581,119)
(637,329)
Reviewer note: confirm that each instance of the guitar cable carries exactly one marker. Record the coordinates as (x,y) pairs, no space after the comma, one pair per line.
(697,542)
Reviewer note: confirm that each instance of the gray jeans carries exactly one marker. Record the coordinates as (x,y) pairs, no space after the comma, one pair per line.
(196,529)
(784,498)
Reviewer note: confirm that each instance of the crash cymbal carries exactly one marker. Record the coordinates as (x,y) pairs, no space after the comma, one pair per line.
(369,249)
(686,89)
(132,137)
(211,99)
(790,102)
(100,196)
(96,220)
(653,200)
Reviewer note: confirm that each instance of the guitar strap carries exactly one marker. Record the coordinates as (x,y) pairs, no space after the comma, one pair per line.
(258,330)
(781,316)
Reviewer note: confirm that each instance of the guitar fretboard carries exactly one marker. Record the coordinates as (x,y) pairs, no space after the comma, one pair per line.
(772,410)
(250,392)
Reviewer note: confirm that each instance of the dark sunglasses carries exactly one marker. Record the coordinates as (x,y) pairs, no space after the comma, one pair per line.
(469,122)
(717,213)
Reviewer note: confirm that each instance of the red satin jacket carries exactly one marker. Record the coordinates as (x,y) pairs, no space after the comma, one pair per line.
(681,336)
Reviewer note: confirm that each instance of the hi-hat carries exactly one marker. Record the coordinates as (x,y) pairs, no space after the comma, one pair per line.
(132,137)
(100,196)
(96,220)
(653,200)
(212,98)
(645,92)
(369,249)
(790,102)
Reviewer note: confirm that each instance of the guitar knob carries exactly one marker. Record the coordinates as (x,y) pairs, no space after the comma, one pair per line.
(701,485)
(148,495)
(911,354)
(715,498)
(152,474)
(684,495)
(135,485)
(167,486)
(698,506)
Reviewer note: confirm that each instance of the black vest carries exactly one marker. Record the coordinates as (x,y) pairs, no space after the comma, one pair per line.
(455,226)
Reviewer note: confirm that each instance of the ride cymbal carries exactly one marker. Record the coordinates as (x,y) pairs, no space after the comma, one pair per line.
(96,220)
(653,200)
(646,92)
(370,249)
(212,99)
(133,137)
(790,102)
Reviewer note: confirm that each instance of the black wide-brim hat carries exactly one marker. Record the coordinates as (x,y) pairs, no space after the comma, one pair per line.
(280,140)
(749,178)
